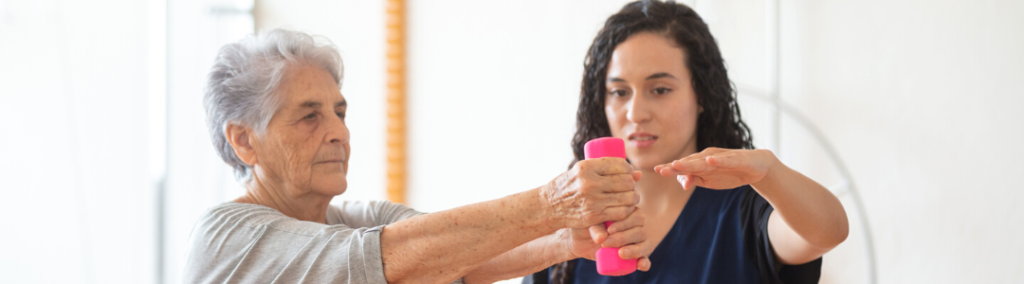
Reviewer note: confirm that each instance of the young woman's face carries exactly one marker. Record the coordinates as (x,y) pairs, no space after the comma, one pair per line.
(650,101)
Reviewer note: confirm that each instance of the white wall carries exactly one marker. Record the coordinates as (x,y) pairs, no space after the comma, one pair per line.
(77,199)
(492,95)
(106,161)
(922,99)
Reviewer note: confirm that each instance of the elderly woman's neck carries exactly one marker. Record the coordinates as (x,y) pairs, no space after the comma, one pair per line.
(306,207)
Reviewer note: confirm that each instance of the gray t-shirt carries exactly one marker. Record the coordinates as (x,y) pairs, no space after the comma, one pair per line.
(248,243)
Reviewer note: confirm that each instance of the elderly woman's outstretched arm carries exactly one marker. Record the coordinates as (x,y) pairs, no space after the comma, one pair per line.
(444,246)
(628,235)
(380,242)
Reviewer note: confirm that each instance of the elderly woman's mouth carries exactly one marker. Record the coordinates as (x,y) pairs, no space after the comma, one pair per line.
(339,160)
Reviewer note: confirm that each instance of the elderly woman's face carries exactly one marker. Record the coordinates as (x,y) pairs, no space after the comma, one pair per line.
(306,143)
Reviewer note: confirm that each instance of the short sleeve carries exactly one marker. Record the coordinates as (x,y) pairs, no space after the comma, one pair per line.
(358,214)
(245,243)
(754,213)
(374,214)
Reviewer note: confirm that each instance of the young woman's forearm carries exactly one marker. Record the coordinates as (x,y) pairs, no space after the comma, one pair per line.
(808,220)
(809,209)
(441,247)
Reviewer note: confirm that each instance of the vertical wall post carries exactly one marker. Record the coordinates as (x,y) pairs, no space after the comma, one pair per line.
(396,121)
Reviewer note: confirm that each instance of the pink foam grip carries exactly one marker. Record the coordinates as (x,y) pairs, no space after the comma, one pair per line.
(604,147)
(608,261)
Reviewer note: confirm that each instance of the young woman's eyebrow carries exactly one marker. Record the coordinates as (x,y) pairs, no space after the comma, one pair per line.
(660,75)
(652,77)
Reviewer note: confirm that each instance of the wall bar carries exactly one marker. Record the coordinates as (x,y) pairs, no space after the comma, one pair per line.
(396,121)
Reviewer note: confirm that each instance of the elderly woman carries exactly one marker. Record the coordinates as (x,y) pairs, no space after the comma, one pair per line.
(277,116)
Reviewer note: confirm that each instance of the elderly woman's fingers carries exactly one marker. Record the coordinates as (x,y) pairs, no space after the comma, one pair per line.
(603,207)
(635,219)
(614,193)
(616,213)
(605,166)
(583,196)
(625,198)
(619,183)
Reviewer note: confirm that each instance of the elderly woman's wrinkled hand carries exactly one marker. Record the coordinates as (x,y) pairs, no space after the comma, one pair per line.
(592,192)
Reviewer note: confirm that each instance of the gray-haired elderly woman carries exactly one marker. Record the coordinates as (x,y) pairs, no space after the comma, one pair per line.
(277,115)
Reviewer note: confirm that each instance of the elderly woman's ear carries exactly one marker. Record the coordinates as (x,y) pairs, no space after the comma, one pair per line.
(238,137)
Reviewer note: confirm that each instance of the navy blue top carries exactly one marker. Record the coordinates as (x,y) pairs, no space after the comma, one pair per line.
(721,236)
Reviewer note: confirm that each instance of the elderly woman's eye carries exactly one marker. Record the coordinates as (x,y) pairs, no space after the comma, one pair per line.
(310,116)
(662,91)
(340,114)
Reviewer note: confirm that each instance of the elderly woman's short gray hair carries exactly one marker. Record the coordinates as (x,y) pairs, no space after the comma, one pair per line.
(242,85)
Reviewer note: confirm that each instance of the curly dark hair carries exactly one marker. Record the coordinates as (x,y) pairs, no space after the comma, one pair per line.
(719,125)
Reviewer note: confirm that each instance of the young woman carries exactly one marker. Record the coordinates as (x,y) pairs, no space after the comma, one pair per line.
(717,210)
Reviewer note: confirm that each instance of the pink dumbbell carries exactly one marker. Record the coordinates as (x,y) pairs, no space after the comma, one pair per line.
(608,261)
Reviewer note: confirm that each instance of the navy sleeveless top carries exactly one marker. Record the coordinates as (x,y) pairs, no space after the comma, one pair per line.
(721,236)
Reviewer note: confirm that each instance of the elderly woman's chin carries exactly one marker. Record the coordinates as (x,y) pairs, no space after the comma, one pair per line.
(329,178)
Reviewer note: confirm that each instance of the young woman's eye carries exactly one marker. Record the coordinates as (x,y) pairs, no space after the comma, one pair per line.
(617,93)
(661,91)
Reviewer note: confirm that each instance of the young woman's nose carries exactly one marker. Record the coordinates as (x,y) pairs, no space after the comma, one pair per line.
(638,108)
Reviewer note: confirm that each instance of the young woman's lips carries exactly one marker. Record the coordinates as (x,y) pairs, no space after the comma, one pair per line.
(642,140)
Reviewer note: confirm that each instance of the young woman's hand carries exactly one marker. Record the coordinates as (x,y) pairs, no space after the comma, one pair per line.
(628,235)
(718,168)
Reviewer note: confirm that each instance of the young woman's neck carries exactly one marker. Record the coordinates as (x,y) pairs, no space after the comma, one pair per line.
(659,194)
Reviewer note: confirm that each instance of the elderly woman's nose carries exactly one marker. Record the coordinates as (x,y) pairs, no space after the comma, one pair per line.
(337,131)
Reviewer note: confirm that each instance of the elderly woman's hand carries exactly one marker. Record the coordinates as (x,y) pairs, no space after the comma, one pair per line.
(592,192)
